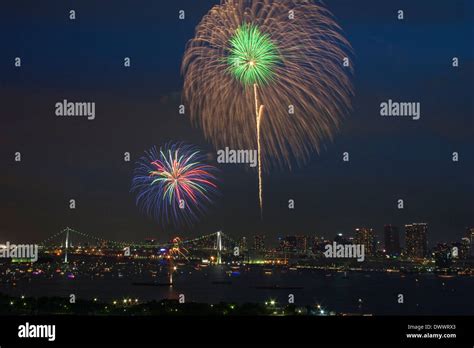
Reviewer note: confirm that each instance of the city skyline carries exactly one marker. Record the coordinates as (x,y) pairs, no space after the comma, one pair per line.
(385,241)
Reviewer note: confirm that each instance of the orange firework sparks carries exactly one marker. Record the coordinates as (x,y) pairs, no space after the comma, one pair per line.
(251,63)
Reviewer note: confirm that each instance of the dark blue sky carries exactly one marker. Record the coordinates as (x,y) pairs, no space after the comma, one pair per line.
(136,108)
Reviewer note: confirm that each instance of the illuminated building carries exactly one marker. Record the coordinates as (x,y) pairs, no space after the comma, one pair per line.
(288,244)
(366,237)
(463,248)
(392,240)
(319,244)
(243,244)
(259,242)
(442,255)
(416,240)
(293,244)
(301,243)
(470,237)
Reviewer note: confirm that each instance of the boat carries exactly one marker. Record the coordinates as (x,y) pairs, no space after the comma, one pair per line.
(445,276)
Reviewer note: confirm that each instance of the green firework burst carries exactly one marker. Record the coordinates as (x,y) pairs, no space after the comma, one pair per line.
(253,55)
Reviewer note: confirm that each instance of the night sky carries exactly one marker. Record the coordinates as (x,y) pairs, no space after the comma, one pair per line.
(137,107)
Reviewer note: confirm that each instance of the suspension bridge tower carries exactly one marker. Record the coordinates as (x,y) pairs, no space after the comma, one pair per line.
(66,245)
(219,247)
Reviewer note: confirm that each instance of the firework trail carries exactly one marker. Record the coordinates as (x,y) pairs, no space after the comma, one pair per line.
(173,185)
(251,59)
(176,251)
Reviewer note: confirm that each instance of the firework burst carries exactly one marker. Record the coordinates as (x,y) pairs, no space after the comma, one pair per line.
(252,56)
(250,62)
(173,184)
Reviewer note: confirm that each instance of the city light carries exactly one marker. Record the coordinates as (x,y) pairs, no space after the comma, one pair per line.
(271,264)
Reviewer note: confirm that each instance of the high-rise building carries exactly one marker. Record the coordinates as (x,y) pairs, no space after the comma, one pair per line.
(392,240)
(366,236)
(243,244)
(443,255)
(289,243)
(416,240)
(470,237)
(462,248)
(319,244)
(293,244)
(260,242)
(301,244)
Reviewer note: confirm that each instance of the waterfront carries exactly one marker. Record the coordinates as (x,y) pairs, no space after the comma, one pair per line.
(338,292)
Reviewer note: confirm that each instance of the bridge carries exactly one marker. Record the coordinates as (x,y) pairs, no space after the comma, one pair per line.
(220,242)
